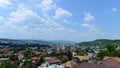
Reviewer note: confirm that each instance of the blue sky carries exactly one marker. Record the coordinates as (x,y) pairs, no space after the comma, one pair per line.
(73,20)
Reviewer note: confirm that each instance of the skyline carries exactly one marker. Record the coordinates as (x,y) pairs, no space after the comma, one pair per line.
(80,20)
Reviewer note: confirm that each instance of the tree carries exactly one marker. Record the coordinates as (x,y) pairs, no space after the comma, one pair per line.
(115,53)
(26,62)
(28,54)
(81,53)
(7,64)
(110,48)
(40,61)
(13,58)
(70,56)
(102,54)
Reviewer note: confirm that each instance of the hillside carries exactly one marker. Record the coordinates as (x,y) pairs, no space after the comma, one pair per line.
(28,42)
(100,42)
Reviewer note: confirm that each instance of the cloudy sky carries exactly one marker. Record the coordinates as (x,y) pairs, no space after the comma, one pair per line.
(73,20)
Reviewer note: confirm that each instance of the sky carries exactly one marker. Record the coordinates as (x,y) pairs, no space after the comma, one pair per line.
(72,20)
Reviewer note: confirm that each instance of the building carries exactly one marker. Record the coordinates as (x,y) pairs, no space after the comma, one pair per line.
(111,61)
(78,59)
(51,62)
(69,64)
(91,65)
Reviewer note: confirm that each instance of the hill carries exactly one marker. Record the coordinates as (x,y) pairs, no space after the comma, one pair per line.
(28,42)
(99,42)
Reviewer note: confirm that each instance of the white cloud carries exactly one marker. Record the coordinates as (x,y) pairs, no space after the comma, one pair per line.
(114,9)
(93,32)
(88,17)
(46,5)
(62,13)
(1,18)
(28,24)
(88,25)
(5,3)
(66,21)
(92,27)
(23,15)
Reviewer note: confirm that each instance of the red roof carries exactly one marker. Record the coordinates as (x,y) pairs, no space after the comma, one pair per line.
(53,60)
(91,65)
(64,56)
(111,62)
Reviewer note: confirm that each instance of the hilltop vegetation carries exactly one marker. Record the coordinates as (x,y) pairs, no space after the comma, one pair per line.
(100,42)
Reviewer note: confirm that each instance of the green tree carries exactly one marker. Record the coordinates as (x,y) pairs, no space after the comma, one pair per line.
(70,56)
(40,61)
(115,53)
(25,63)
(102,54)
(28,54)
(110,48)
(13,58)
(81,53)
(7,64)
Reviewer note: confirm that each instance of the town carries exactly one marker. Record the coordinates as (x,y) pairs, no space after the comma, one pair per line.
(59,56)
(59,34)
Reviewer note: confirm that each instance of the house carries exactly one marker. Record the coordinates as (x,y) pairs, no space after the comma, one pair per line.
(65,57)
(43,53)
(31,65)
(111,61)
(34,59)
(113,58)
(91,65)
(20,56)
(69,64)
(74,53)
(90,54)
(4,59)
(118,47)
(77,59)
(93,60)
(52,66)
(51,61)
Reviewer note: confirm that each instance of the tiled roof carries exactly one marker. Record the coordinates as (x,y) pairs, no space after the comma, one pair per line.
(82,57)
(53,60)
(113,62)
(113,58)
(91,65)
(35,58)
(69,64)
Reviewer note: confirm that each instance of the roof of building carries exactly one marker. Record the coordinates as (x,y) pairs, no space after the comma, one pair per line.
(69,64)
(91,65)
(53,60)
(113,62)
(31,65)
(82,57)
(113,58)
(35,58)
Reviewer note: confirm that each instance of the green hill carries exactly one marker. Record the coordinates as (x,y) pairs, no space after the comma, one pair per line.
(100,42)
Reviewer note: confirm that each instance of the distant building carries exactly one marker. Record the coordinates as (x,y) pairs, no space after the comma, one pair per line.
(74,53)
